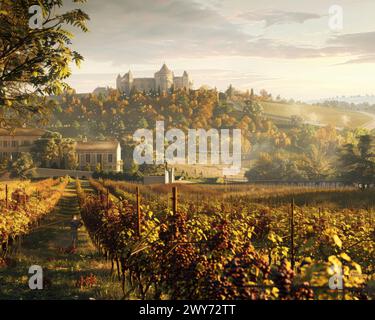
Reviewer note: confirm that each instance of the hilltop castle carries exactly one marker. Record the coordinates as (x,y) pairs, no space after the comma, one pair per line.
(163,80)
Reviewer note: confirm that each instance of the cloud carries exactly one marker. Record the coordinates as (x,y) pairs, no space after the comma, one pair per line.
(150,31)
(361,59)
(361,45)
(127,31)
(273,17)
(363,41)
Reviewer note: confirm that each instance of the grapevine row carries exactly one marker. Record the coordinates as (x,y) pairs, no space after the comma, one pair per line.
(26,207)
(182,255)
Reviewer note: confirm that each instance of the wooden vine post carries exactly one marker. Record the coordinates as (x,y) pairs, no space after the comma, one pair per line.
(175,200)
(107,199)
(292,233)
(138,212)
(6,196)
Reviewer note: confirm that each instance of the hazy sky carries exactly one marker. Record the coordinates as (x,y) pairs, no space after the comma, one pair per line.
(284,46)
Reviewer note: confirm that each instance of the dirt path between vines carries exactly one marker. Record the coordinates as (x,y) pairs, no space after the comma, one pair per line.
(45,247)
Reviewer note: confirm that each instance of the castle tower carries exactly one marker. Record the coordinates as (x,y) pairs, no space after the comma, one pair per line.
(164,79)
(127,83)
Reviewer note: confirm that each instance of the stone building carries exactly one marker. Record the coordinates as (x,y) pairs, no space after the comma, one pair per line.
(162,81)
(105,153)
(89,154)
(13,142)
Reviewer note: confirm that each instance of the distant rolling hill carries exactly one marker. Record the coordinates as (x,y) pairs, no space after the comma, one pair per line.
(318,115)
(370,99)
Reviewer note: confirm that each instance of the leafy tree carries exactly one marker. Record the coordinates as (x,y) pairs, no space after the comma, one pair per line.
(264,95)
(317,164)
(67,154)
(121,126)
(4,165)
(142,124)
(253,108)
(98,168)
(58,124)
(133,169)
(303,137)
(277,166)
(46,149)
(358,162)
(52,150)
(23,167)
(296,121)
(34,62)
(76,125)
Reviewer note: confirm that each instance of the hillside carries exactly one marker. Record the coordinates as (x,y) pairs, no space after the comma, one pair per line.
(317,115)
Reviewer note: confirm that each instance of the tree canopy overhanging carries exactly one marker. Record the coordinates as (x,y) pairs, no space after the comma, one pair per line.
(35,63)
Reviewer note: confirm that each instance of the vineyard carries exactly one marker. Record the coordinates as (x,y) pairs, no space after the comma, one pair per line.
(24,206)
(239,247)
(189,241)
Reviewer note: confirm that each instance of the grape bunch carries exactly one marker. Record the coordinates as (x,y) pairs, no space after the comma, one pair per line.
(178,255)
(174,228)
(283,278)
(262,225)
(247,268)
(220,240)
(304,292)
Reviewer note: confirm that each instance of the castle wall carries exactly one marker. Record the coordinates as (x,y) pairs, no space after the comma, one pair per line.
(163,80)
(144,84)
(178,83)
(124,86)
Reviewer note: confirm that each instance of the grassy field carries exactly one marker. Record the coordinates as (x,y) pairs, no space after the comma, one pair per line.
(317,115)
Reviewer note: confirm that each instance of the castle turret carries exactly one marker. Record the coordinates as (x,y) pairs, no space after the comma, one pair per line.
(164,78)
(129,76)
(185,81)
(125,83)
(118,82)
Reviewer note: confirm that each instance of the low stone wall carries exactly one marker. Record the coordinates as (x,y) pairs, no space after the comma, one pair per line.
(49,173)
(154,180)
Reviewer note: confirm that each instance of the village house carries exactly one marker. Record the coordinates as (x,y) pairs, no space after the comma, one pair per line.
(106,154)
